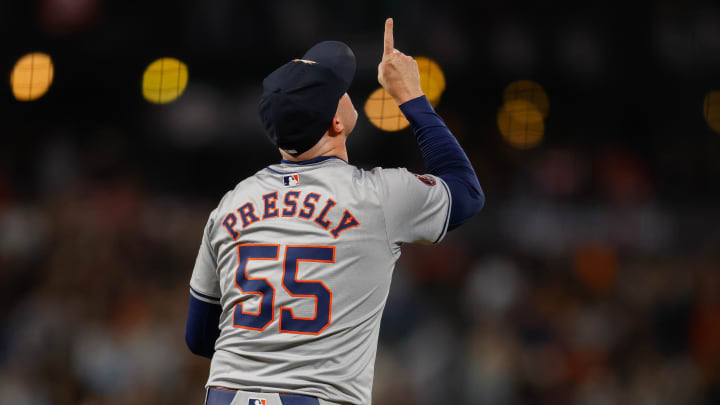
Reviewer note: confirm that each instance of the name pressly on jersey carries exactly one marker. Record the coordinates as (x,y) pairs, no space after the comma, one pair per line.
(290,209)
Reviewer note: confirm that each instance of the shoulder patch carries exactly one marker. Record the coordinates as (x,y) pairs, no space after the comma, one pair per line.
(427,180)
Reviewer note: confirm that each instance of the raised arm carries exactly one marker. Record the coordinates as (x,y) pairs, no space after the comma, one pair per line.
(443,156)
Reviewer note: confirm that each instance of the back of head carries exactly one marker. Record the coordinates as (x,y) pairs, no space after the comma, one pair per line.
(300,98)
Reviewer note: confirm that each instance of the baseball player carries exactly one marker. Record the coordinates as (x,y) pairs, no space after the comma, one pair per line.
(295,263)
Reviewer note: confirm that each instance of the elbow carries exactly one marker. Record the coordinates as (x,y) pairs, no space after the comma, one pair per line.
(479,200)
(465,208)
(468,198)
(192,343)
(474,202)
(201,330)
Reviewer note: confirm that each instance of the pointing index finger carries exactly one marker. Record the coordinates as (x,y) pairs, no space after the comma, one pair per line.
(389,40)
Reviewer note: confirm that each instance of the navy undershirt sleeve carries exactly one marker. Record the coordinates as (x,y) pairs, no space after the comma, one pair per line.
(201,330)
(445,158)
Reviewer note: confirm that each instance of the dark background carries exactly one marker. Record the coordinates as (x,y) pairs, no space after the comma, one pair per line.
(591,276)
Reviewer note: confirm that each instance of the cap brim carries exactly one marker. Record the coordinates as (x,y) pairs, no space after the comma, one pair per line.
(335,55)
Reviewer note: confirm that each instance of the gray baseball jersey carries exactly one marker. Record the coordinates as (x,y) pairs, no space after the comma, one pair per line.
(300,258)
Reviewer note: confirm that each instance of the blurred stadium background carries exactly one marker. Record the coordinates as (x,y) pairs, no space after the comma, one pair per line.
(591,277)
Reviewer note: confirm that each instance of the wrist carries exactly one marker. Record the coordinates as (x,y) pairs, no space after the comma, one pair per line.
(420,113)
(419,102)
(405,96)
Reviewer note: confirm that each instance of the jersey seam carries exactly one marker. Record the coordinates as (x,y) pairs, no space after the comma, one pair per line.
(387,233)
(209,242)
(447,213)
(277,172)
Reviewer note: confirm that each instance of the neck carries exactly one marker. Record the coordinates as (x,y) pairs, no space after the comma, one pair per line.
(334,146)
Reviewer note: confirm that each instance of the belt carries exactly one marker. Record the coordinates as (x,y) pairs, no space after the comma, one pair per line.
(225,397)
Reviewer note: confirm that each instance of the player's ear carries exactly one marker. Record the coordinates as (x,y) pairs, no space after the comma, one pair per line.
(336,126)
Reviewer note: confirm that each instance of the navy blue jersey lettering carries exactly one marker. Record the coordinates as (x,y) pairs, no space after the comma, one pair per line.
(320,220)
(290,201)
(247,214)
(229,223)
(270,210)
(348,221)
(309,206)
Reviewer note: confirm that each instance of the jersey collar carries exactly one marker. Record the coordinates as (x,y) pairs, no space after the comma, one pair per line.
(311,161)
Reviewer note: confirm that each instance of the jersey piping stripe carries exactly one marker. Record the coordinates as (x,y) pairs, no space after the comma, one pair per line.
(277,172)
(447,214)
(311,161)
(201,295)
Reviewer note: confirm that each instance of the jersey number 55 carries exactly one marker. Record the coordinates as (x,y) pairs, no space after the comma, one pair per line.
(289,323)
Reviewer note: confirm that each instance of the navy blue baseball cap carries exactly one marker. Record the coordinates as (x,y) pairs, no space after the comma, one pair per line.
(300,98)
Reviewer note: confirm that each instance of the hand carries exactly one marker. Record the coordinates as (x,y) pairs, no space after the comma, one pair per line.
(397,72)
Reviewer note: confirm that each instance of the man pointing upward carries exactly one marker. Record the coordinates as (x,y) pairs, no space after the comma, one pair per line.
(295,263)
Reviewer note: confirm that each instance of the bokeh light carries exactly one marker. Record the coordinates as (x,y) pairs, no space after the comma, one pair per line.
(521,124)
(711,110)
(32,76)
(383,112)
(164,80)
(529,91)
(432,79)
(520,119)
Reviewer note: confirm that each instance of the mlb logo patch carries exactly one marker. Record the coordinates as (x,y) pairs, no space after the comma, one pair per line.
(256,401)
(291,180)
